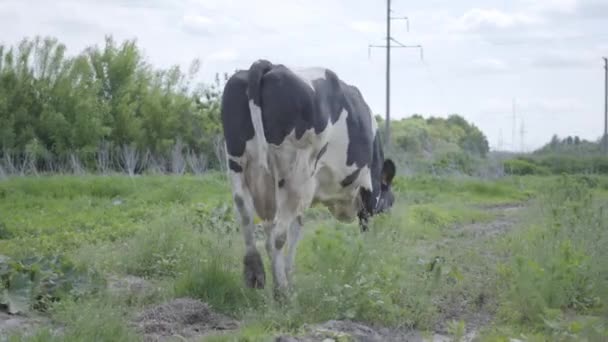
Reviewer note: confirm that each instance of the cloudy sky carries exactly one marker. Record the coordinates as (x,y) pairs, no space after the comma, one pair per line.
(478,55)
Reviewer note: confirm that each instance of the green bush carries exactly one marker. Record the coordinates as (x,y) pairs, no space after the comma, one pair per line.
(522,167)
(34,283)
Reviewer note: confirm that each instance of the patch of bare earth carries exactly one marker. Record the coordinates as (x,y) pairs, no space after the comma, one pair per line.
(183,319)
(334,331)
(506,217)
(19,324)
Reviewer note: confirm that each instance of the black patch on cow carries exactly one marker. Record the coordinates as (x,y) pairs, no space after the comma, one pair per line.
(254,79)
(234,166)
(370,197)
(236,118)
(240,205)
(359,125)
(320,154)
(348,180)
(289,103)
(280,240)
(281,183)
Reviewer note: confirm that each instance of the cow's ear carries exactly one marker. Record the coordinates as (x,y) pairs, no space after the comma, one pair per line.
(388,171)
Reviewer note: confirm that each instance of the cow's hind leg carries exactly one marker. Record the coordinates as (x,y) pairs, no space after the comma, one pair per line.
(253,267)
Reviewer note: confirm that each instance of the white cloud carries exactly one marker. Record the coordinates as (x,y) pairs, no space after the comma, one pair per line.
(553,105)
(198,24)
(480,20)
(554,6)
(593,9)
(224,55)
(489,65)
(564,59)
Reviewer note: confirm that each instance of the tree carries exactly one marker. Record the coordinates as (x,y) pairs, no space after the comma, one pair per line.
(61,106)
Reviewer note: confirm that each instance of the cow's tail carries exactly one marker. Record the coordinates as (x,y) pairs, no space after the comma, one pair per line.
(254,89)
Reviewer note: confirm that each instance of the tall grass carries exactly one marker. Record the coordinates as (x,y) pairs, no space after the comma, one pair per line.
(414,268)
(556,272)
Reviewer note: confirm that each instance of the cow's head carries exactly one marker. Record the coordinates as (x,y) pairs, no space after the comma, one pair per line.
(381,198)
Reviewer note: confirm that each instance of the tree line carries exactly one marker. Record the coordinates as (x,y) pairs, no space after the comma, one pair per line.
(105,107)
(438,145)
(565,155)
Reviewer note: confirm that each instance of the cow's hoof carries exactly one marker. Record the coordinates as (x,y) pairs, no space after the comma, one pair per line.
(281,295)
(255,276)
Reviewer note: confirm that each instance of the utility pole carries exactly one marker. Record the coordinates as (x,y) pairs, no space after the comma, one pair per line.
(513,127)
(500,139)
(605,137)
(388,45)
(388,73)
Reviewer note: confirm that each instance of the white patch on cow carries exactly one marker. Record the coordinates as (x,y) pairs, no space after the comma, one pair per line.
(259,138)
(332,169)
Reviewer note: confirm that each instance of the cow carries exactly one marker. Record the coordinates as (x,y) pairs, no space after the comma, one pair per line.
(295,138)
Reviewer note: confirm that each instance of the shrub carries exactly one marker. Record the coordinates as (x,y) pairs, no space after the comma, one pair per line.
(522,167)
(36,282)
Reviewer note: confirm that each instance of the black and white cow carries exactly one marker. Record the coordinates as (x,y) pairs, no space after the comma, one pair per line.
(295,138)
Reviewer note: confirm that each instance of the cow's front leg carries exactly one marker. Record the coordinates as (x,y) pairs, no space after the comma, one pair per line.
(293,237)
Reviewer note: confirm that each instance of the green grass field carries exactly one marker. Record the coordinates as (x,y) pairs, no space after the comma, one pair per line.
(518,257)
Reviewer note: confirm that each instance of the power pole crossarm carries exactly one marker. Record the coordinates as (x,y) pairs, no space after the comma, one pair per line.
(399,44)
(397,47)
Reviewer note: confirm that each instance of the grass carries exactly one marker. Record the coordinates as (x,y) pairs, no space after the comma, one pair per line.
(414,269)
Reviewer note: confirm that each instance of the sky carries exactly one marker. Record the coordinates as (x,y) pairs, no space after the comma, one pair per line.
(480,57)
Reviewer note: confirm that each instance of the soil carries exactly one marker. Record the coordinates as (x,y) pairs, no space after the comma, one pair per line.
(19,324)
(130,285)
(184,318)
(337,331)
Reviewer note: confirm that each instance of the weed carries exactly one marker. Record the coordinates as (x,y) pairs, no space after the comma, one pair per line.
(456,329)
(553,263)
